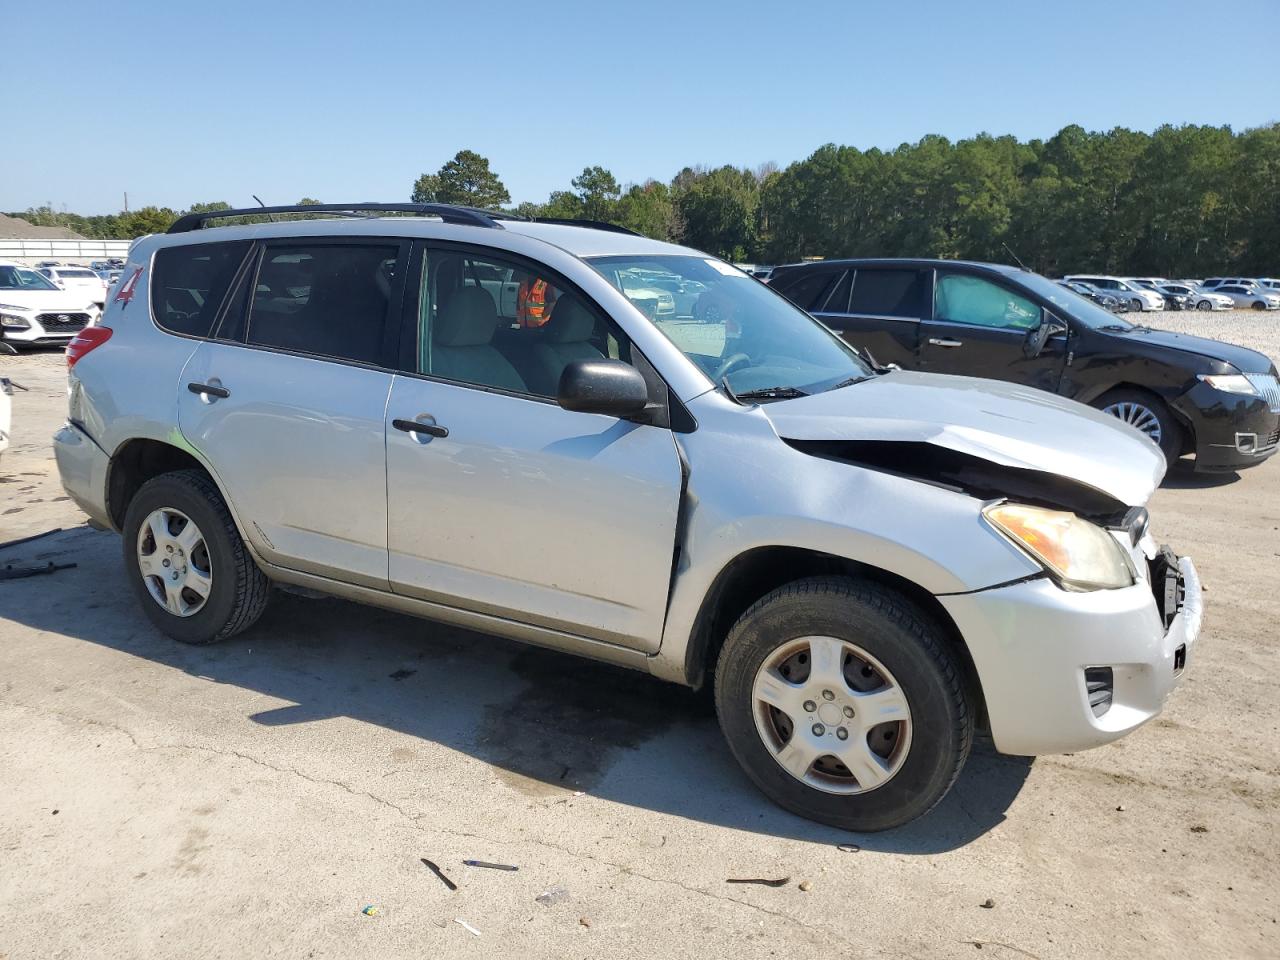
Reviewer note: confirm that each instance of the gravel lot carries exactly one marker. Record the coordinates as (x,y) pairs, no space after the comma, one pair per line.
(250,799)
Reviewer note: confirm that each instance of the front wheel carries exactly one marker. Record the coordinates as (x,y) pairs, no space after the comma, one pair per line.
(1148,414)
(1204,305)
(843,703)
(1136,305)
(1259,305)
(187,563)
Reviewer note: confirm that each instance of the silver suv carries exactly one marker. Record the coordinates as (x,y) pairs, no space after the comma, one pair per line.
(464,416)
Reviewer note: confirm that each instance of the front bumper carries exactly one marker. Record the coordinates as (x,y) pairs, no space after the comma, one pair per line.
(82,467)
(1232,430)
(1032,642)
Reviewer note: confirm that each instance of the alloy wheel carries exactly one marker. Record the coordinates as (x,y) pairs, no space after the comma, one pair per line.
(174,561)
(832,715)
(1138,416)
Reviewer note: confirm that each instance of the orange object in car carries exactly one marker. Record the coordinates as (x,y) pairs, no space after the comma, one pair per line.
(534,301)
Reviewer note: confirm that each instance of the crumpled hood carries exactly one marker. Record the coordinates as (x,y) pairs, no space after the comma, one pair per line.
(1004,423)
(53,301)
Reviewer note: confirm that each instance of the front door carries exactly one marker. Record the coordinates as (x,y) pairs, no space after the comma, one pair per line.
(979,328)
(288,404)
(503,502)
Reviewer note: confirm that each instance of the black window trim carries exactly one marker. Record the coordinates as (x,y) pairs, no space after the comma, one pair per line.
(407,341)
(249,273)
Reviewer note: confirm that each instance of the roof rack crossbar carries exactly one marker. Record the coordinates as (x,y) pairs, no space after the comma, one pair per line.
(448,212)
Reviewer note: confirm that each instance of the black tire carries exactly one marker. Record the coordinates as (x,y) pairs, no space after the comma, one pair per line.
(1204,305)
(894,631)
(1171,435)
(239,591)
(1258,305)
(1137,305)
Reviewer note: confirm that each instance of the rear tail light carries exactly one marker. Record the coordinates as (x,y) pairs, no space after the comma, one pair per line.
(84,341)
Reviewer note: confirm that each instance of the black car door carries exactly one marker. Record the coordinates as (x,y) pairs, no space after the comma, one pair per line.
(878,310)
(979,328)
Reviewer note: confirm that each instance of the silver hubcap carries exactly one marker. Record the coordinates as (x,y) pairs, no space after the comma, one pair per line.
(832,715)
(174,562)
(1137,416)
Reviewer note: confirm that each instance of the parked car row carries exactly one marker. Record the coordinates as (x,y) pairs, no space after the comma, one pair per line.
(36,311)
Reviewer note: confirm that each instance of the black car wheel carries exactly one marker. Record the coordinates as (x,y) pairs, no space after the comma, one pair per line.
(1204,305)
(1135,305)
(1147,413)
(844,703)
(1259,305)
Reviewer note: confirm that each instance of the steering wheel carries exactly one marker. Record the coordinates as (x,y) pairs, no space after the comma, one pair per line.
(730,363)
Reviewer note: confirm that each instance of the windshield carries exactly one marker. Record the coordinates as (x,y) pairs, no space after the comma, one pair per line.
(734,327)
(1072,304)
(19,278)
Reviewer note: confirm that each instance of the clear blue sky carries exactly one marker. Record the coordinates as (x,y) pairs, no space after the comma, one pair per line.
(181,102)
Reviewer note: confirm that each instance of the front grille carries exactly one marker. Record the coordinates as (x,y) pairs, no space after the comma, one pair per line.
(63,321)
(1100,684)
(1267,385)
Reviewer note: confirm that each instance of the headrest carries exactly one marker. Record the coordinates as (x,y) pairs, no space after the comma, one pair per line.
(570,321)
(469,319)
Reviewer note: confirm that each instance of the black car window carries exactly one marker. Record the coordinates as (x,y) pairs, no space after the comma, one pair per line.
(963,298)
(838,299)
(808,290)
(188,283)
(1231,289)
(330,300)
(887,292)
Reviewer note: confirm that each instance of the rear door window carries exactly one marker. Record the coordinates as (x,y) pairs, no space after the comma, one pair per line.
(188,283)
(329,300)
(887,292)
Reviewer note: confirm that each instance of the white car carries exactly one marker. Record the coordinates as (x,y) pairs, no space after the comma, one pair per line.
(1213,283)
(6,412)
(1124,289)
(1272,284)
(79,280)
(36,312)
(1253,298)
(1198,299)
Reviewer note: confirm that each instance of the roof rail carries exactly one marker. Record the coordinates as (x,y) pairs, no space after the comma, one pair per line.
(589,224)
(448,212)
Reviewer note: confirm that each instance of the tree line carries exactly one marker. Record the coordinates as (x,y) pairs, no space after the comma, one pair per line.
(1181,201)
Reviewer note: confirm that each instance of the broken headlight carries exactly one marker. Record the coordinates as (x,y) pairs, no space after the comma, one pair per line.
(1080,555)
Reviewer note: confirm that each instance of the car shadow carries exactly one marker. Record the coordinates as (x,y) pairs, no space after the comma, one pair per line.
(1183,476)
(548,723)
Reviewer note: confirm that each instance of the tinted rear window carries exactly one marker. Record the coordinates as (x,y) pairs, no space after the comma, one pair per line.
(807,289)
(189,282)
(887,293)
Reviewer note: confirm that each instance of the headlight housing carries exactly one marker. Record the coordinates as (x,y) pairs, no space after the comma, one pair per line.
(1228,383)
(1078,554)
(11,322)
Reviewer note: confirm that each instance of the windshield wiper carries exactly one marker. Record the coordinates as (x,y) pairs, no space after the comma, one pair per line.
(771,393)
(848,383)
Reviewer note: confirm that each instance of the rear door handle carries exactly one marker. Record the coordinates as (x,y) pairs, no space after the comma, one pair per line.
(945,342)
(209,389)
(417,426)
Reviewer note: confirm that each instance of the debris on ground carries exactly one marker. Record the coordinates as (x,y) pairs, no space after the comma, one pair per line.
(34,536)
(489,866)
(10,572)
(466,926)
(761,881)
(848,847)
(1199,828)
(987,904)
(584,921)
(806,886)
(1120,809)
(402,674)
(370,910)
(439,873)
(553,896)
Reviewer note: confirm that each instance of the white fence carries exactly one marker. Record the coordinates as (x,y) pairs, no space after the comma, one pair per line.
(32,250)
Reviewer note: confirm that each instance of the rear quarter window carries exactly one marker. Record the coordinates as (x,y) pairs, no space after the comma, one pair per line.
(807,289)
(189,282)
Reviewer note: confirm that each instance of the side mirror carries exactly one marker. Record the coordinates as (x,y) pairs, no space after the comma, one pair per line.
(610,387)
(1050,326)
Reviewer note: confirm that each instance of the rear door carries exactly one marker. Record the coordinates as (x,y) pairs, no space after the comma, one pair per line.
(504,503)
(287,402)
(878,309)
(979,328)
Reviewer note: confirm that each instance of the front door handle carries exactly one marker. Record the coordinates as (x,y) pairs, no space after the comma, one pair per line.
(209,389)
(417,426)
(945,342)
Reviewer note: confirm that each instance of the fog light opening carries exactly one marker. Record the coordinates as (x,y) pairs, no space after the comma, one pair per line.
(1179,659)
(1246,442)
(1099,683)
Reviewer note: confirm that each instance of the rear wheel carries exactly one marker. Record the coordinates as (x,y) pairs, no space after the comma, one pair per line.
(1259,305)
(186,561)
(843,703)
(1148,413)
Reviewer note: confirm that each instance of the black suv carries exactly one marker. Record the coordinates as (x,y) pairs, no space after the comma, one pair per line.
(1188,394)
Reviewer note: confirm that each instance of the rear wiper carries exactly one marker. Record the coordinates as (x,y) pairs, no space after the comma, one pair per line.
(771,393)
